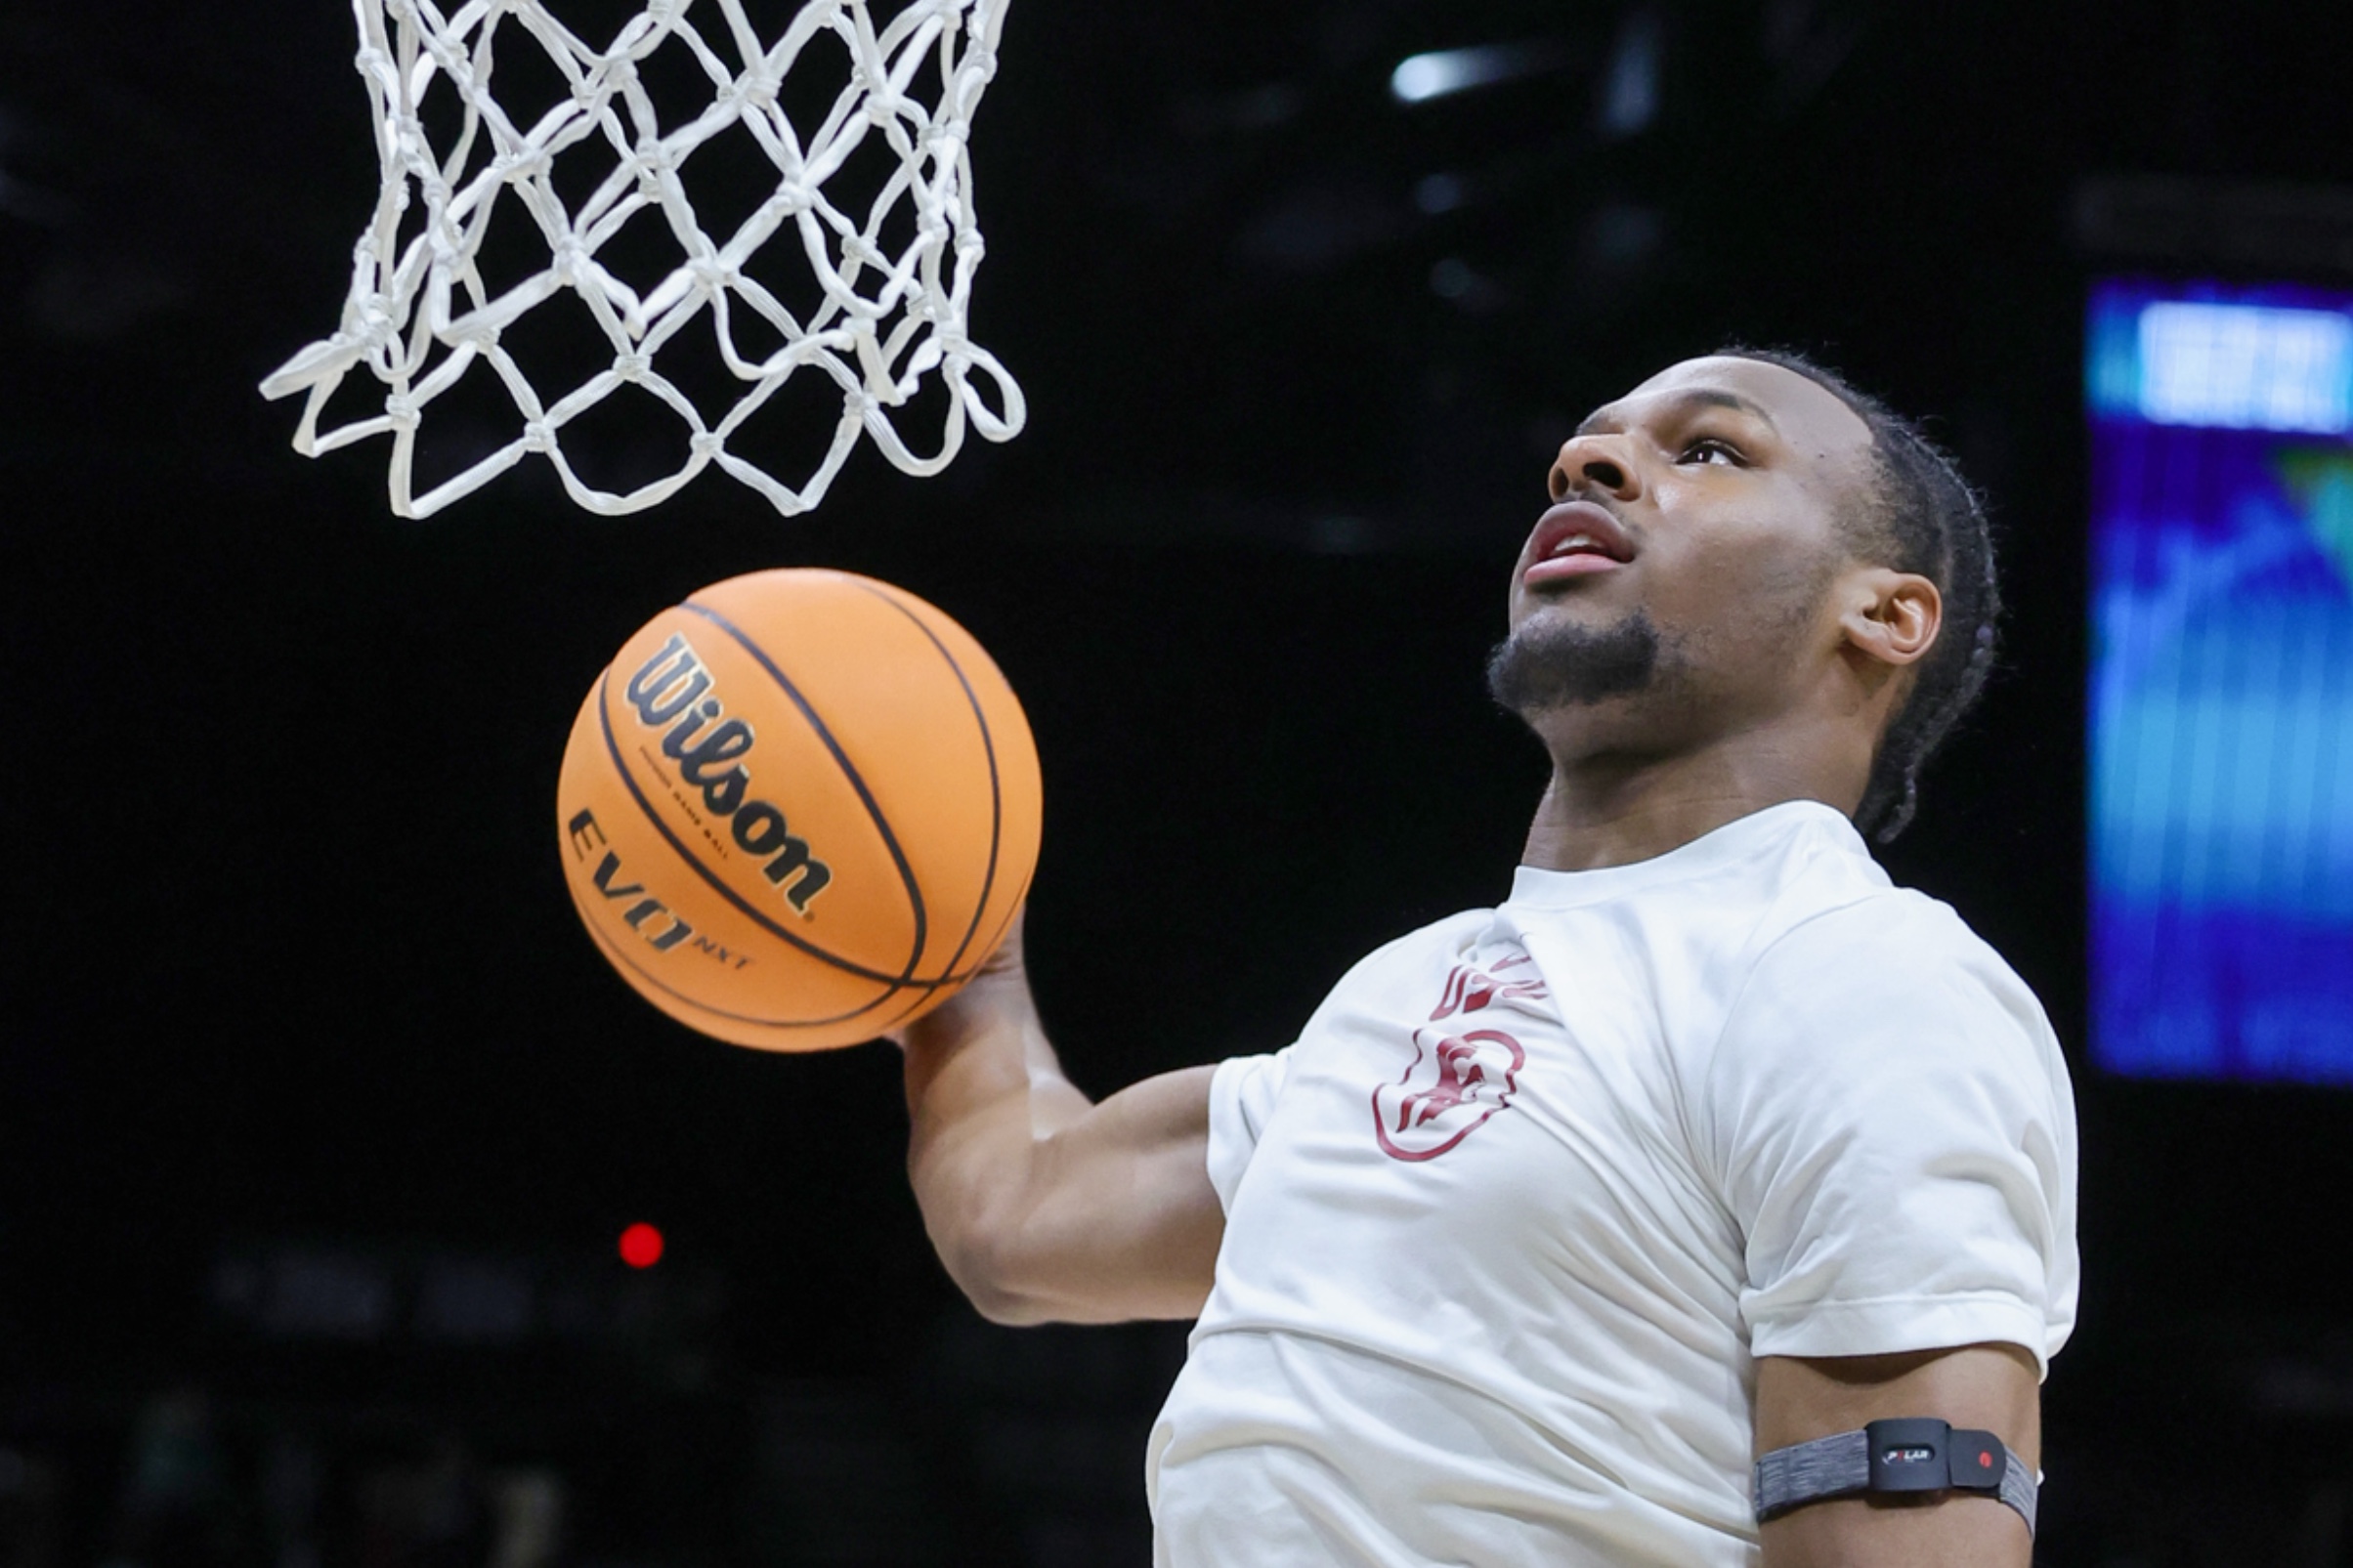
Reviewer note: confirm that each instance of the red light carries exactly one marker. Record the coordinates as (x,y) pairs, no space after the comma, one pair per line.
(641,1246)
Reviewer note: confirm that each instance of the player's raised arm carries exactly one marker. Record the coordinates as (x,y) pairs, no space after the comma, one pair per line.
(1045,1206)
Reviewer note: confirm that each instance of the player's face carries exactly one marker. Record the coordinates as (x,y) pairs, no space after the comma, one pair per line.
(1700,515)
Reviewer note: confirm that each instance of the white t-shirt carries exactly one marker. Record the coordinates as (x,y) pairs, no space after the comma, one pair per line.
(1508,1225)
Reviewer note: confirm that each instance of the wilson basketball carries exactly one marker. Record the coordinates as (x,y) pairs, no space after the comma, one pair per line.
(798,809)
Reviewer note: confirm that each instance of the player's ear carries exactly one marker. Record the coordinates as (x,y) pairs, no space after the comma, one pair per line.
(1889,615)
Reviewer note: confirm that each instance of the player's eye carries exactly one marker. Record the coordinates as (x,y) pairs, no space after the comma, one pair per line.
(1711,449)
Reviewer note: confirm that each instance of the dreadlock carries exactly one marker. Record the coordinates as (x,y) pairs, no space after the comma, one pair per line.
(1924,518)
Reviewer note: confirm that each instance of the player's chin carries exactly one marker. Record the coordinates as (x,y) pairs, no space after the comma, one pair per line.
(1587,599)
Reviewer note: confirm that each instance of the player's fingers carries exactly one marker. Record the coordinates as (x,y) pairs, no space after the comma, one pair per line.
(999,985)
(1009,951)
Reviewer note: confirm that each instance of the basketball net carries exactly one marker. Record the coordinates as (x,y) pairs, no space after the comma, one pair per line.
(419,314)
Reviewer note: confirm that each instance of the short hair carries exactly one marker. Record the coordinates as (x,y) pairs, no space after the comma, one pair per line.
(1924,518)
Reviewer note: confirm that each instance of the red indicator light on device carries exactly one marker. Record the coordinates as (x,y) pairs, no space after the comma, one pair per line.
(641,1246)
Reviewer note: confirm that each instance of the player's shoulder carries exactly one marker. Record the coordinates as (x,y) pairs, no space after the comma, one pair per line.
(1399,967)
(1886,977)
(1450,934)
(1885,999)
(1880,932)
(1830,901)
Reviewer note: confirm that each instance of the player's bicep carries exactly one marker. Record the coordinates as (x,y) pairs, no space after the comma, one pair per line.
(1120,1220)
(1986,1387)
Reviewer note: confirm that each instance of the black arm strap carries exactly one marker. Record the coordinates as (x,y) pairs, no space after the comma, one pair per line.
(1911,1455)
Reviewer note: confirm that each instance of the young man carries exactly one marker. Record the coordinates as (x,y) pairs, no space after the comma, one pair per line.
(1709,1142)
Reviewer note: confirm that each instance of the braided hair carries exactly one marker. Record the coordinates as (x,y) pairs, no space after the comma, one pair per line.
(1921,517)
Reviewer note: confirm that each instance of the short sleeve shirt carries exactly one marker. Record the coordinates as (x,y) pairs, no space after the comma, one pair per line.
(1509,1224)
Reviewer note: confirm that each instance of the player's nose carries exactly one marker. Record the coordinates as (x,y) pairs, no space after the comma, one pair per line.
(1595,463)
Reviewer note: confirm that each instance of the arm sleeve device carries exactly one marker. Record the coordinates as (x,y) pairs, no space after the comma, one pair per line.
(1909,1455)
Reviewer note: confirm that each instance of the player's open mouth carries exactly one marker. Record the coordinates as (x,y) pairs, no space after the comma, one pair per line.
(1576,539)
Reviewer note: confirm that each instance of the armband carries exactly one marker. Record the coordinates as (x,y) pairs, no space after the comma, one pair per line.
(1910,1455)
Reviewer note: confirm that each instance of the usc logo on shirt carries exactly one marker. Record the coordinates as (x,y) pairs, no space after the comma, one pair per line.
(1456,1081)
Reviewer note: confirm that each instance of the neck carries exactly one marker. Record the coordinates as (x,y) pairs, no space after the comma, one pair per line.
(1615,807)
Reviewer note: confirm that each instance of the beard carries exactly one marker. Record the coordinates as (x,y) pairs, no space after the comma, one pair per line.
(1557,665)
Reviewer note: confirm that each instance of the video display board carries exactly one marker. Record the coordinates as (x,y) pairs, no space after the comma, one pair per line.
(2221,700)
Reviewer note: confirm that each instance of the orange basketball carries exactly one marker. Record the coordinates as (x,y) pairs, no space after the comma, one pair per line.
(798,809)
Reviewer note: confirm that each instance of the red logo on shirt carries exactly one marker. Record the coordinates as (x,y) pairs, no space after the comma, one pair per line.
(1470,989)
(1455,1082)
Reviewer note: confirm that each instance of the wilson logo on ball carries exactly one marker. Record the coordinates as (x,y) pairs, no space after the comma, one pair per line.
(660,935)
(670,692)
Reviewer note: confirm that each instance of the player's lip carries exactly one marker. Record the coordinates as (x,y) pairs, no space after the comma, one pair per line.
(1574,538)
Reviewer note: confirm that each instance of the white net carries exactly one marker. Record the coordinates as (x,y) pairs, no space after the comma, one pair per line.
(886,313)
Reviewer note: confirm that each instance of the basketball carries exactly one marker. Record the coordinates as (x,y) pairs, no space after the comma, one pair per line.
(798,809)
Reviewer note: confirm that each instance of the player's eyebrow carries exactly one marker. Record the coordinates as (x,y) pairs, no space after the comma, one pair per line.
(1697,398)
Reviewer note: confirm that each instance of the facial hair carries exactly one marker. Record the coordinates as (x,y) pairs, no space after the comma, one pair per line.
(1557,665)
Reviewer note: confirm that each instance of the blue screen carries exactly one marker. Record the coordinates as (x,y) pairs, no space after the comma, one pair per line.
(2221,703)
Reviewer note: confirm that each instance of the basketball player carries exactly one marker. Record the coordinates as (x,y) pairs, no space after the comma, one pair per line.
(1708,1142)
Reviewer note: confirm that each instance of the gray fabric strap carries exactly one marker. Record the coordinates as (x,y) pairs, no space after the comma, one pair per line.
(1840,1465)
(1833,1466)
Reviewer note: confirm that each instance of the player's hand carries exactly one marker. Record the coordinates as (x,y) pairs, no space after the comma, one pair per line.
(997,995)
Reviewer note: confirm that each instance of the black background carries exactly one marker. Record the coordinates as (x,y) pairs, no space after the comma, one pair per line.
(287,950)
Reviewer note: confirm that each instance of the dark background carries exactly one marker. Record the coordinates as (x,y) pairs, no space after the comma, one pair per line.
(291,988)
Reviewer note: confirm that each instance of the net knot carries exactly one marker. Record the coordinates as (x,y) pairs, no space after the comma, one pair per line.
(539,436)
(371,60)
(527,162)
(712,275)
(633,366)
(756,89)
(570,263)
(652,161)
(369,323)
(401,409)
(705,444)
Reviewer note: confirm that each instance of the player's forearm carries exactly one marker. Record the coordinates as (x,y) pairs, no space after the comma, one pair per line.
(1118,1221)
(983,1091)
(1045,1208)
